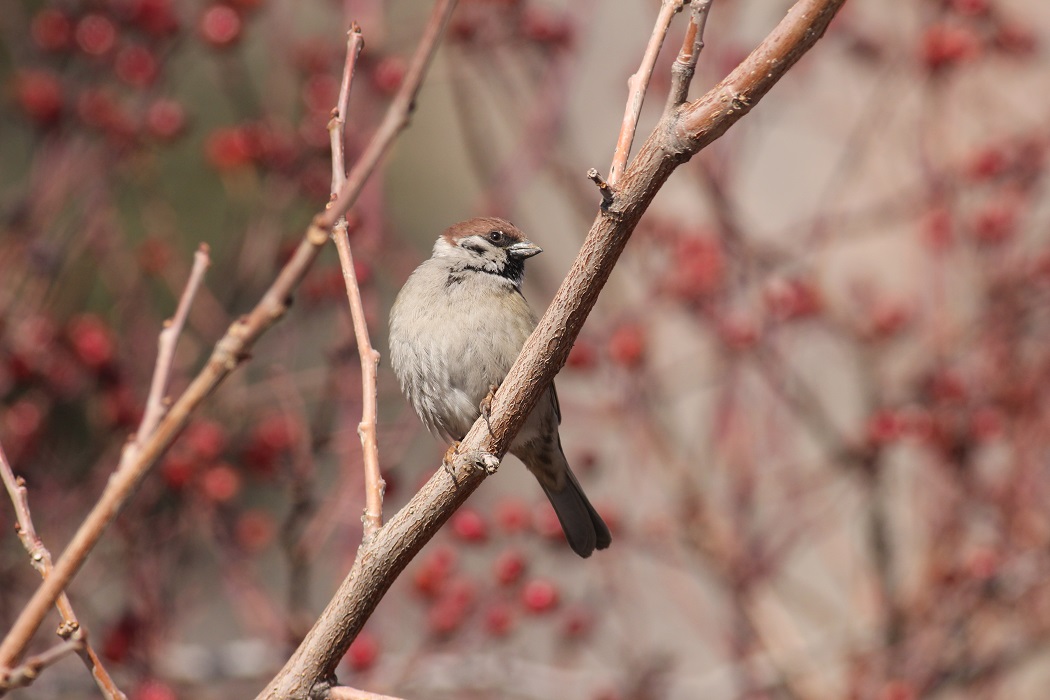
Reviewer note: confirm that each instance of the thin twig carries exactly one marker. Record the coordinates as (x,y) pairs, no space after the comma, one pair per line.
(229,352)
(342,692)
(354,43)
(366,429)
(684,67)
(607,194)
(637,85)
(40,558)
(28,672)
(168,340)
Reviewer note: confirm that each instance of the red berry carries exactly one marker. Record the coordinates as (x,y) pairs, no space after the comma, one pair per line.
(512,515)
(697,268)
(277,432)
(96,34)
(539,596)
(255,530)
(320,93)
(39,94)
(499,620)
(577,623)
(119,639)
(165,119)
(986,423)
(51,30)
(220,26)
(971,8)
(627,345)
(434,570)
(97,108)
(945,45)
(462,29)
(738,331)
(92,341)
(792,299)
(995,223)
(220,483)
(154,17)
(544,27)
(206,440)
(987,163)
(177,470)
(582,356)
(469,526)
(461,591)
(153,690)
(445,617)
(983,563)
(937,228)
(388,74)
(230,148)
(884,427)
(887,320)
(947,386)
(23,420)
(136,66)
(509,567)
(898,690)
(363,652)
(1015,39)
(915,422)
(120,407)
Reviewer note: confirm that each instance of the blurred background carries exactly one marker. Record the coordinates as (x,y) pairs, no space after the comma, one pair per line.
(811,402)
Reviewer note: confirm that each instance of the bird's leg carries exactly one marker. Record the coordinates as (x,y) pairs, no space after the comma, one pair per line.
(486,406)
(450,454)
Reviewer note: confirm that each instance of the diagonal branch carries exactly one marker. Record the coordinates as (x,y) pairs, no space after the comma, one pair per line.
(678,137)
(684,67)
(28,672)
(40,558)
(366,429)
(637,85)
(229,352)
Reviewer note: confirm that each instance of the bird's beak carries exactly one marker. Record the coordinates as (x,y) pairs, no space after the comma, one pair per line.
(524,249)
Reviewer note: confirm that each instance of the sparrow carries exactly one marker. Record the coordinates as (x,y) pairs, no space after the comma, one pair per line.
(456,328)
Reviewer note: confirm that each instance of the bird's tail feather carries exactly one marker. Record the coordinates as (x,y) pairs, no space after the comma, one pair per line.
(584,528)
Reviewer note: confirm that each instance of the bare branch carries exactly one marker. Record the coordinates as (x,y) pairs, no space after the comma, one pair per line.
(229,352)
(40,558)
(637,84)
(684,67)
(29,671)
(366,429)
(169,338)
(354,43)
(607,194)
(341,692)
(674,141)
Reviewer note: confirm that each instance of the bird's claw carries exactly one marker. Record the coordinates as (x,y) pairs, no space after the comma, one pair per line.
(450,455)
(486,407)
(488,462)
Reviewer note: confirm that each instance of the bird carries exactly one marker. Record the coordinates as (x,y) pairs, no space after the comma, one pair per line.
(456,328)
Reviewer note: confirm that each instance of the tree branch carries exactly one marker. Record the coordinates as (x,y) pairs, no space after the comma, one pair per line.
(684,67)
(366,429)
(637,84)
(680,135)
(229,352)
(40,558)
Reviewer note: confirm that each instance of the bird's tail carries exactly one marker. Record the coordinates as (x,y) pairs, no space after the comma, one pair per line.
(584,528)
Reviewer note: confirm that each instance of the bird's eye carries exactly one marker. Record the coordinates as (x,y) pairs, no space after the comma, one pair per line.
(495,236)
